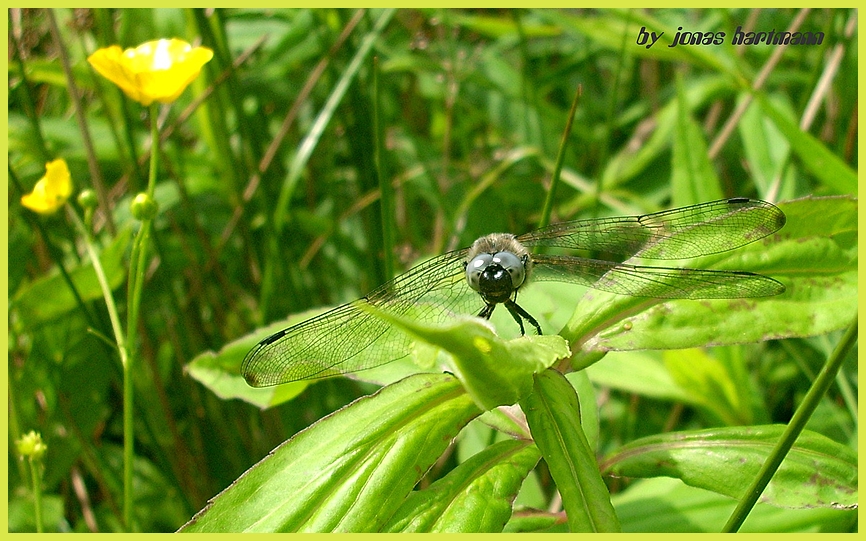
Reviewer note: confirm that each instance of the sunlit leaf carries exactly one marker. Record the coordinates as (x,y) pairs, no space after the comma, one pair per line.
(351,470)
(817,472)
(474,497)
(554,418)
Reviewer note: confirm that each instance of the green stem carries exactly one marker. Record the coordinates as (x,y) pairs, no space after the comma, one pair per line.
(36,478)
(560,158)
(798,422)
(138,263)
(103,284)
(122,351)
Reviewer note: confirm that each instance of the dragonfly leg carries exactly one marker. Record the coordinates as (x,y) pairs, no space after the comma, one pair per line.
(517,313)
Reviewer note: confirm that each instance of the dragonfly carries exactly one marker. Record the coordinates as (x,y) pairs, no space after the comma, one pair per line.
(490,272)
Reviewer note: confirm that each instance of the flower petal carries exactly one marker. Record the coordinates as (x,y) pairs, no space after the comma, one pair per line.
(50,191)
(157,70)
(111,64)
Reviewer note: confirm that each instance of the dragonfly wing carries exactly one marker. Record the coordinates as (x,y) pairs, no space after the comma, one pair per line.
(350,339)
(658,282)
(329,344)
(682,233)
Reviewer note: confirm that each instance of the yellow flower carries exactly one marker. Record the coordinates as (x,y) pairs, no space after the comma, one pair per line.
(51,191)
(154,71)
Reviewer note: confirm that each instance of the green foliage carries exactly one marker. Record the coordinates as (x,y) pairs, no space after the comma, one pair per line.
(268,198)
(721,460)
(553,414)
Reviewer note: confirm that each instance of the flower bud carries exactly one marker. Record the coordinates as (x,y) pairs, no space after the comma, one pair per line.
(144,207)
(87,199)
(31,445)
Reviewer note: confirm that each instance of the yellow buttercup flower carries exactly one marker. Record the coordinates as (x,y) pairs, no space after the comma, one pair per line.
(52,190)
(154,71)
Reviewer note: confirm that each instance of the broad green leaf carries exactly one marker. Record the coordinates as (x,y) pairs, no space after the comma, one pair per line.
(822,163)
(49,297)
(476,496)
(667,505)
(495,372)
(350,471)
(814,255)
(817,472)
(589,420)
(554,419)
(507,421)
(713,381)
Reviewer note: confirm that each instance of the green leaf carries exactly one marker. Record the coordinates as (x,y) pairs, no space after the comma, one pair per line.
(49,297)
(716,381)
(553,414)
(589,416)
(815,156)
(350,471)
(474,497)
(629,163)
(814,255)
(531,520)
(817,472)
(495,372)
(667,505)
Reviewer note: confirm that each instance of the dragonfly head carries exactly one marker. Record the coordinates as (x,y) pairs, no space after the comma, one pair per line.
(496,276)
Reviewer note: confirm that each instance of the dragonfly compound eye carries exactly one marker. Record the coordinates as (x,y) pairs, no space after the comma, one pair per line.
(513,265)
(474,269)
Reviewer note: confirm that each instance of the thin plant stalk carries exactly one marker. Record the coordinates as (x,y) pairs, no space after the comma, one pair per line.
(37,493)
(560,158)
(136,280)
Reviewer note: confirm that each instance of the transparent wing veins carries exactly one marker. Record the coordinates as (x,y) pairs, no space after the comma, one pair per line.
(683,233)
(349,338)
